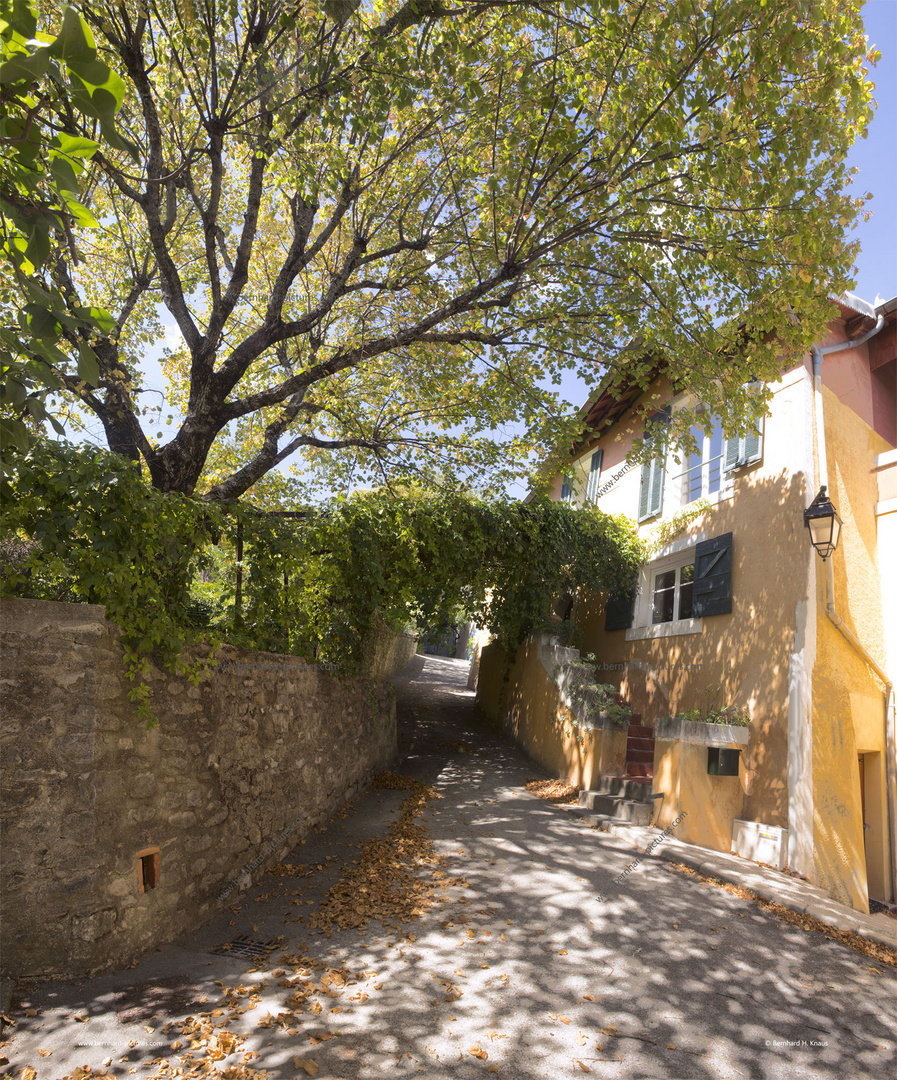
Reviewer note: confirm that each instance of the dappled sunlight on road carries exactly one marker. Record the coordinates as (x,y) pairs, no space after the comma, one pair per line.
(532,963)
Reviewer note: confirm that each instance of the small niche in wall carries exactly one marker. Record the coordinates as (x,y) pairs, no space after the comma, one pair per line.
(722,762)
(148,868)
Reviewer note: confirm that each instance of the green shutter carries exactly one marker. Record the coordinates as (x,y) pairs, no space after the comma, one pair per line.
(656,501)
(712,583)
(743,451)
(644,493)
(594,473)
(650,498)
(752,446)
(731,455)
(620,611)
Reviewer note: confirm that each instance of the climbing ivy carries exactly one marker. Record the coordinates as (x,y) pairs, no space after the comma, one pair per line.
(91,531)
(316,584)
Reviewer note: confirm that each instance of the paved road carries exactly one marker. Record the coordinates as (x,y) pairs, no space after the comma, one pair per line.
(522,972)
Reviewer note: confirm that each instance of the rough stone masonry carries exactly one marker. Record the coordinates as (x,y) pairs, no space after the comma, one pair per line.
(116,838)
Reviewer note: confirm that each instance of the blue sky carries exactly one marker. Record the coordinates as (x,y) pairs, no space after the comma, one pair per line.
(876,158)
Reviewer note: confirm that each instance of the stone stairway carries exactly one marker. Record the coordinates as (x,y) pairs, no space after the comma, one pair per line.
(640,749)
(623,798)
(626,797)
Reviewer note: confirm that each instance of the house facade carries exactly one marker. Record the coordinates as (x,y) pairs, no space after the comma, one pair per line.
(735,610)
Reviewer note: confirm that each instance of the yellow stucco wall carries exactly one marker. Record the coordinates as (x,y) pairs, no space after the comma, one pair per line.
(777,651)
(848,702)
(528,707)
(741,658)
(711,803)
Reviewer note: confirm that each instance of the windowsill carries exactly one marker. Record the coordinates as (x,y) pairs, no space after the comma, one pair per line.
(663,630)
(723,495)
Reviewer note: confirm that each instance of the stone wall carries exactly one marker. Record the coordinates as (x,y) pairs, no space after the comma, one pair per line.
(387,653)
(239,770)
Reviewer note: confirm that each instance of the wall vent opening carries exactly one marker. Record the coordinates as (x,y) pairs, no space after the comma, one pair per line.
(148,869)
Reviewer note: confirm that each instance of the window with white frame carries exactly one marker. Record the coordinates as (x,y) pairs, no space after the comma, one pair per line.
(671,593)
(567,489)
(703,472)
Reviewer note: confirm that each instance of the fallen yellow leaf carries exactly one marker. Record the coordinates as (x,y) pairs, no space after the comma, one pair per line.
(310,1067)
(477,1052)
(582,1065)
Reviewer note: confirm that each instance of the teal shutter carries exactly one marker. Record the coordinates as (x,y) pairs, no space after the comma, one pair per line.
(651,494)
(620,611)
(566,490)
(752,446)
(644,493)
(731,454)
(712,583)
(594,474)
(743,451)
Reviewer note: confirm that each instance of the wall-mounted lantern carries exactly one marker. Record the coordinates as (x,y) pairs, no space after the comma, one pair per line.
(823,523)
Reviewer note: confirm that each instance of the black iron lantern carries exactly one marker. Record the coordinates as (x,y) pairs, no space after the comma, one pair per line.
(821,518)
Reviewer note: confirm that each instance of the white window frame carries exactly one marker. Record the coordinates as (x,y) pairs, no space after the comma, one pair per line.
(682,476)
(673,556)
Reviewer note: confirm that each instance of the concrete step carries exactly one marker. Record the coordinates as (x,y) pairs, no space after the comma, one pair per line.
(639,744)
(640,731)
(638,790)
(616,807)
(645,757)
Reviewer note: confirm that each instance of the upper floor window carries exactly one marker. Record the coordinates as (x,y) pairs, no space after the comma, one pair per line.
(703,472)
(567,489)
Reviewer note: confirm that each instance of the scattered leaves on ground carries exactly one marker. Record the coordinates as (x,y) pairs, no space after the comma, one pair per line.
(556,791)
(384,884)
(882,953)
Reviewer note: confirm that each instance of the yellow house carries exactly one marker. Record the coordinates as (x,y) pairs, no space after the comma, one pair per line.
(736,610)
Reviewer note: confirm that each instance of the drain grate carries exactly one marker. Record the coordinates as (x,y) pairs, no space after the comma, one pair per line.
(247,948)
(171,997)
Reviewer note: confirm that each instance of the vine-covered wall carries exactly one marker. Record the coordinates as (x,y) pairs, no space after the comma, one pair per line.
(262,749)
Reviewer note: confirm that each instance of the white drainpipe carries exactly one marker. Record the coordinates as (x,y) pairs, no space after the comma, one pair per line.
(890,727)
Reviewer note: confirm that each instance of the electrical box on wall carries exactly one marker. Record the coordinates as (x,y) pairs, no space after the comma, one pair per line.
(722,761)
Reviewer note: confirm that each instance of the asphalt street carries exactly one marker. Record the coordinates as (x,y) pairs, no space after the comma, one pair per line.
(525,961)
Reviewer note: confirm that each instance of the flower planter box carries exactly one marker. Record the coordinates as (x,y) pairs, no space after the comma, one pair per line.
(691,731)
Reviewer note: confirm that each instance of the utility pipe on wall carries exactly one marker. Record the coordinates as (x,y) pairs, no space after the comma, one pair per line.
(890,722)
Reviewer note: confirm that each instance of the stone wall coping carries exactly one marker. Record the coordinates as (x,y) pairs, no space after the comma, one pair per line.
(24,616)
(692,731)
(557,660)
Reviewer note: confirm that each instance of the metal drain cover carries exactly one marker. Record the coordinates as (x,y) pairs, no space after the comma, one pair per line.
(247,948)
(169,997)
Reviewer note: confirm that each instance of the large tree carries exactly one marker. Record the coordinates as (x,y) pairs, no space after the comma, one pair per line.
(380,227)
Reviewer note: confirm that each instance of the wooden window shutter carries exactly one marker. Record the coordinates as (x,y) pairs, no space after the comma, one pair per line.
(712,590)
(752,446)
(651,492)
(594,473)
(743,451)
(620,611)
